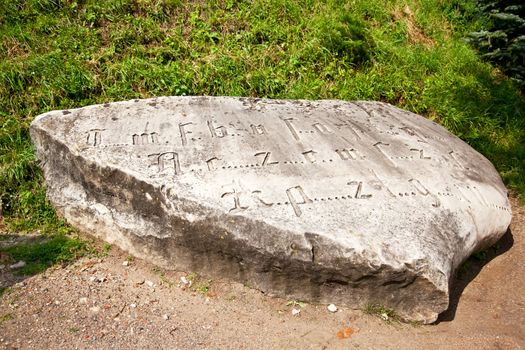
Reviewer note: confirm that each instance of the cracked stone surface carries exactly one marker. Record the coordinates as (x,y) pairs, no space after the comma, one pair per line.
(327,201)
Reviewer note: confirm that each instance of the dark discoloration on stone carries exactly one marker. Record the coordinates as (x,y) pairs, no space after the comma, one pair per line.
(318,200)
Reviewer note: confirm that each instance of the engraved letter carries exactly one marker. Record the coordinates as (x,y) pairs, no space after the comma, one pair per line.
(421,153)
(154,137)
(321,128)
(377,144)
(345,154)
(411,132)
(219,131)
(94,137)
(349,126)
(309,155)
(419,187)
(165,161)
(145,138)
(237,207)
(288,122)
(381,184)
(211,163)
(183,132)
(266,158)
(294,202)
(257,195)
(258,129)
(358,194)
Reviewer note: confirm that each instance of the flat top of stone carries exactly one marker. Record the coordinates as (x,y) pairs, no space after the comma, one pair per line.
(368,175)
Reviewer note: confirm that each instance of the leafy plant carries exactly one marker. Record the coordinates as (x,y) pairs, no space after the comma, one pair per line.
(382,312)
(502,40)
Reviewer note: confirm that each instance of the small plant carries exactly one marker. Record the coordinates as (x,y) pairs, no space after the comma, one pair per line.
(382,312)
(162,276)
(6,317)
(203,287)
(106,247)
(299,303)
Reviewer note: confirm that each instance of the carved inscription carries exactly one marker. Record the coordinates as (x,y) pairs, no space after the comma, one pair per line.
(211,163)
(359,188)
(258,129)
(183,129)
(219,131)
(166,161)
(309,156)
(346,154)
(296,196)
(421,153)
(145,138)
(370,153)
(323,129)
(94,137)
(264,158)
(237,207)
(291,128)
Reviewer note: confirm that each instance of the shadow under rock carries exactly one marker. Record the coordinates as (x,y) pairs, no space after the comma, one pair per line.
(470,269)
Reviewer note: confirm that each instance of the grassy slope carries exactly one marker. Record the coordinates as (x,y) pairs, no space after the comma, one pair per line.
(63,54)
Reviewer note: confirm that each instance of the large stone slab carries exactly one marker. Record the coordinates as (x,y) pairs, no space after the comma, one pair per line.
(329,201)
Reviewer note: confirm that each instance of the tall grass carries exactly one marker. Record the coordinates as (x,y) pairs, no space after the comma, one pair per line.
(64,54)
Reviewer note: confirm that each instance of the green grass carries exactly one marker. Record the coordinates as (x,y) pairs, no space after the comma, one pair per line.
(44,253)
(62,54)
(386,314)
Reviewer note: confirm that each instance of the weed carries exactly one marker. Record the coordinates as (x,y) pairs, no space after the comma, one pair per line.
(384,313)
(203,286)
(299,303)
(6,317)
(198,284)
(106,247)
(4,290)
(162,276)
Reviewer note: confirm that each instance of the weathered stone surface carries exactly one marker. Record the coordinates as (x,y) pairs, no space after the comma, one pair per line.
(330,201)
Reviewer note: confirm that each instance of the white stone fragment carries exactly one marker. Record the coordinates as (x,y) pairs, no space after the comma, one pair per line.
(332,308)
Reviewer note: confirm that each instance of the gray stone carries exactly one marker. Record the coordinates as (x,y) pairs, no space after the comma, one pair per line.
(327,201)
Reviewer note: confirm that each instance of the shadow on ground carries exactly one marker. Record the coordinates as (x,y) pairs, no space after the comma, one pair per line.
(470,269)
(34,253)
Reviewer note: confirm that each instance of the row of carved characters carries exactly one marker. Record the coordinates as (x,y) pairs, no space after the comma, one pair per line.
(296,196)
(171,161)
(187,131)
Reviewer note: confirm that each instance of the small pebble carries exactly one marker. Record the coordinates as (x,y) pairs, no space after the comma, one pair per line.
(18,265)
(94,309)
(133,305)
(166,317)
(296,312)
(150,284)
(332,308)
(83,300)
(125,263)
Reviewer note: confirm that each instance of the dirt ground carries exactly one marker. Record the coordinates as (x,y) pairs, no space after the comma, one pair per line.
(99,303)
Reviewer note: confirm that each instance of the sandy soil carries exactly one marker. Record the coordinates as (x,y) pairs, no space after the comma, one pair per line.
(98,303)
